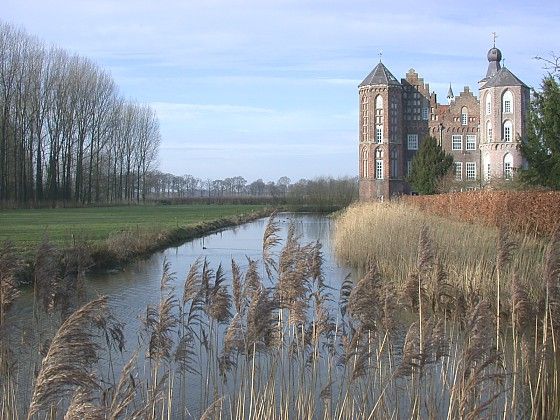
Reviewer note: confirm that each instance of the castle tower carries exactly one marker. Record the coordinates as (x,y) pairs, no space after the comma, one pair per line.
(504,101)
(380,132)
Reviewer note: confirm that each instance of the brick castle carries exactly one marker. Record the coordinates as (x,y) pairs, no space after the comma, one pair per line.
(482,134)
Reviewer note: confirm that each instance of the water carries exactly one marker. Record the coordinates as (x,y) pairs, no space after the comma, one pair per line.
(131,290)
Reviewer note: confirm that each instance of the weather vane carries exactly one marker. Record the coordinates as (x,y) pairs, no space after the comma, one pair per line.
(494,36)
(380,54)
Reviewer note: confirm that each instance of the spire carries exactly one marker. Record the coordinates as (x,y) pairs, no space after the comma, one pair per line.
(494,57)
(450,95)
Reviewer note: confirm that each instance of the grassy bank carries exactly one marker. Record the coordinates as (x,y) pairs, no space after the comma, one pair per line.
(109,237)
(27,228)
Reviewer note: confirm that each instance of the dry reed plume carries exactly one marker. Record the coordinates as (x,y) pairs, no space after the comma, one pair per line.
(427,339)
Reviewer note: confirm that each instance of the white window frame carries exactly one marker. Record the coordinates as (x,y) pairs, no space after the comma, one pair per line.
(507,102)
(458,170)
(508,129)
(470,142)
(379,169)
(470,170)
(508,166)
(379,134)
(412,141)
(488,104)
(464,116)
(456,142)
(425,113)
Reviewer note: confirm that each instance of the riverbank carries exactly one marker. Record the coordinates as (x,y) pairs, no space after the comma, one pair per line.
(109,238)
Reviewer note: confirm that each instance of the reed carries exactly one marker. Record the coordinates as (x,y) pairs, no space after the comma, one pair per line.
(430,337)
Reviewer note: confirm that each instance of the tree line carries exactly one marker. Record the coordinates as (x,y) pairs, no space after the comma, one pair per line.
(318,191)
(66,133)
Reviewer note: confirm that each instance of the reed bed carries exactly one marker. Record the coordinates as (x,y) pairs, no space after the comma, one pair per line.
(389,232)
(268,339)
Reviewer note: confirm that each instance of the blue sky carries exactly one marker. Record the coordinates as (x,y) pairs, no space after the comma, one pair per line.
(264,89)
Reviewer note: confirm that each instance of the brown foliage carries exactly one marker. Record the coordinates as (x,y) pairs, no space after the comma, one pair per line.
(522,211)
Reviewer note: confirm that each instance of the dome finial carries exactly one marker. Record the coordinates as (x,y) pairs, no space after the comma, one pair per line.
(494,36)
(380,54)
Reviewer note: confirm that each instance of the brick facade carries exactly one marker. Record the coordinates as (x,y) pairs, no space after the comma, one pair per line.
(396,116)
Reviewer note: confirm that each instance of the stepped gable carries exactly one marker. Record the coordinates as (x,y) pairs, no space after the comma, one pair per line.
(380,75)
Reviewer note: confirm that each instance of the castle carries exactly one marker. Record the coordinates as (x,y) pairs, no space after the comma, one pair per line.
(482,135)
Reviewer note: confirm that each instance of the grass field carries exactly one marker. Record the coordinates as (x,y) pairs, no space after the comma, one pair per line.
(26,228)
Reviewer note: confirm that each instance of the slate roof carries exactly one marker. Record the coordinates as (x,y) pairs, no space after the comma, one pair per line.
(450,92)
(503,77)
(380,75)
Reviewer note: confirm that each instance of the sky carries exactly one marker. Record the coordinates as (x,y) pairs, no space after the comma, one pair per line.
(265,89)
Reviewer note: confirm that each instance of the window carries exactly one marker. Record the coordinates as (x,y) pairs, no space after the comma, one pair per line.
(488,103)
(507,102)
(508,166)
(507,131)
(365,167)
(464,116)
(486,166)
(379,169)
(394,163)
(458,170)
(379,163)
(471,142)
(471,170)
(379,109)
(412,142)
(378,133)
(457,142)
(425,113)
(488,131)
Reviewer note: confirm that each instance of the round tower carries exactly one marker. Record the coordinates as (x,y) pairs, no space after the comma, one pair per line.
(504,100)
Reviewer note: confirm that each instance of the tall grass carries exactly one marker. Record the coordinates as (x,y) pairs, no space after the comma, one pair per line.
(272,340)
(389,234)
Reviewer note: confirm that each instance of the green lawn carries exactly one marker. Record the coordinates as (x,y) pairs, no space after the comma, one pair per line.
(26,228)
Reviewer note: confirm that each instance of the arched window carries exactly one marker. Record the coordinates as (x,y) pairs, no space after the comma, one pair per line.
(508,131)
(487,173)
(394,163)
(464,116)
(508,166)
(379,119)
(488,103)
(379,163)
(365,159)
(507,102)
(488,132)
